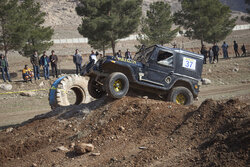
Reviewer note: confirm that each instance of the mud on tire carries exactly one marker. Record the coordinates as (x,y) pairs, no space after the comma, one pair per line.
(75,83)
(181,95)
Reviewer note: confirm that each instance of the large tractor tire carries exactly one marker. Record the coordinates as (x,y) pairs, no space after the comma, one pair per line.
(117,85)
(181,95)
(60,89)
(95,89)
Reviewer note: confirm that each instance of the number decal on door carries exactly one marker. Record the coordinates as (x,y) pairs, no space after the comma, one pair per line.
(189,63)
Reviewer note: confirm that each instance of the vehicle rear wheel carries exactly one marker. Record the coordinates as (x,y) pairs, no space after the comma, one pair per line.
(181,95)
(95,89)
(117,85)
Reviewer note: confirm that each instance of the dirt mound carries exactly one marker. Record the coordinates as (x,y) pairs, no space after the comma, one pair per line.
(136,132)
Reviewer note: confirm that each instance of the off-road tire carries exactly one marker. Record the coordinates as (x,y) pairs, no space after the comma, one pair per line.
(172,96)
(95,89)
(117,76)
(71,82)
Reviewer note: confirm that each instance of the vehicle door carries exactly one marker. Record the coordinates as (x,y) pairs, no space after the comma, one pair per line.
(159,67)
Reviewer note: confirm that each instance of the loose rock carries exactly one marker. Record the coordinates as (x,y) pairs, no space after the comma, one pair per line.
(83,148)
(41,84)
(6,87)
(28,94)
(206,81)
(95,154)
(121,128)
(62,148)
(8,130)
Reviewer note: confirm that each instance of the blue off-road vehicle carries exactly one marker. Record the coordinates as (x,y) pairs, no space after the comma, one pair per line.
(171,73)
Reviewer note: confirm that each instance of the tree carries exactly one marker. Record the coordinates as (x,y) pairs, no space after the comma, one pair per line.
(38,36)
(13,26)
(156,27)
(99,45)
(205,20)
(247,18)
(108,20)
(21,27)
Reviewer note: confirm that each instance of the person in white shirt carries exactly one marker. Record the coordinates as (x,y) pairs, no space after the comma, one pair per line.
(93,57)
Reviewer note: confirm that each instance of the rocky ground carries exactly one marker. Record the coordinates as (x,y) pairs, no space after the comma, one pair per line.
(133,132)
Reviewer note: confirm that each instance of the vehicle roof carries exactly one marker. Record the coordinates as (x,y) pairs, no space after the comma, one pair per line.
(181,51)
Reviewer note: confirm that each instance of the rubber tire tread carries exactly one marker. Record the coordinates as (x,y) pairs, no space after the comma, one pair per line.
(65,85)
(180,89)
(109,85)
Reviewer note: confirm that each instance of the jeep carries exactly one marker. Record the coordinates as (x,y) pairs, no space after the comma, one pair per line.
(171,73)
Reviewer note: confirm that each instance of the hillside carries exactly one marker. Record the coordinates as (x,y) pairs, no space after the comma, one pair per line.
(61,14)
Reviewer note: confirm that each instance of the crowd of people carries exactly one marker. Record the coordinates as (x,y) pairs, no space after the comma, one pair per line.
(213,52)
(46,61)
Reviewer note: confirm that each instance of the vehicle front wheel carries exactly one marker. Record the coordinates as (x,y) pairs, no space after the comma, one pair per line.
(117,85)
(95,89)
(181,95)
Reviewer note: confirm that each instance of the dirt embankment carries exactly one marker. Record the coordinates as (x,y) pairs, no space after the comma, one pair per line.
(134,132)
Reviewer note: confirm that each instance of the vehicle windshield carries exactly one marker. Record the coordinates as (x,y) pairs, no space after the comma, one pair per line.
(143,55)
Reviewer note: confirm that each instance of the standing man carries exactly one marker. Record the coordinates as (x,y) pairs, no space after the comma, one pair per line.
(34,59)
(236,49)
(44,61)
(204,53)
(243,48)
(53,59)
(77,59)
(128,54)
(225,52)
(211,55)
(4,68)
(216,50)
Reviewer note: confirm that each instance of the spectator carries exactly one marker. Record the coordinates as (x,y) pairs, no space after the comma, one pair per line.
(53,59)
(92,57)
(216,50)
(34,59)
(211,55)
(101,56)
(224,48)
(119,54)
(44,61)
(204,53)
(243,48)
(96,53)
(77,59)
(27,74)
(236,49)
(4,66)
(128,54)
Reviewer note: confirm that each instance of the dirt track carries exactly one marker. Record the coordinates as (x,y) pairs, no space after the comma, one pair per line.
(154,133)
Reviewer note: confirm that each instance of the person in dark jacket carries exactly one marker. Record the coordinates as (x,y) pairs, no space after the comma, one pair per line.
(44,62)
(34,59)
(128,55)
(204,53)
(216,50)
(4,68)
(243,48)
(77,59)
(53,60)
(236,49)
